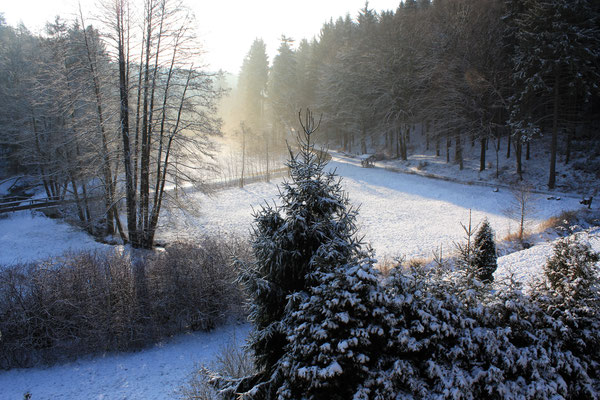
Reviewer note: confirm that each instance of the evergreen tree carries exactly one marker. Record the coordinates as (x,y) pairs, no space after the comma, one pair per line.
(314,226)
(282,88)
(252,85)
(484,253)
(339,334)
(555,62)
(572,271)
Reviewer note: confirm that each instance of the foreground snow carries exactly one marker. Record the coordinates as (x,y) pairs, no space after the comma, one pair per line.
(155,373)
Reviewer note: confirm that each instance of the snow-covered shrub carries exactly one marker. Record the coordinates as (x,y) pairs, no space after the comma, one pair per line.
(338,336)
(453,341)
(484,261)
(572,271)
(94,302)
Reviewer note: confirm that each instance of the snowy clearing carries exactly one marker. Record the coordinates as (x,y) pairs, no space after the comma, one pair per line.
(154,373)
(27,236)
(399,214)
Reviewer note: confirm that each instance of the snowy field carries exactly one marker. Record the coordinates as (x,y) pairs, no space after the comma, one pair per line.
(153,374)
(27,236)
(399,215)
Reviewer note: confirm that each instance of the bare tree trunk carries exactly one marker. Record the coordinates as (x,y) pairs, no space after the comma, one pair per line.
(518,156)
(482,154)
(458,157)
(553,142)
(508,139)
(124,121)
(156,211)
(570,134)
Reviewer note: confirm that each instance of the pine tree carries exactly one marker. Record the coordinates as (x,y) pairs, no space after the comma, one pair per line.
(555,62)
(484,253)
(282,87)
(313,226)
(572,269)
(252,85)
(340,333)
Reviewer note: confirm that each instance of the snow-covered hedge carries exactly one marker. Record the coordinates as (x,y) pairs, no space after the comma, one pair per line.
(90,302)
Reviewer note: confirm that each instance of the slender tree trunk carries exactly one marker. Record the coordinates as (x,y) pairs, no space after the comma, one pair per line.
(106,170)
(568,149)
(156,211)
(518,153)
(508,140)
(448,144)
(267,158)
(458,157)
(243,156)
(124,122)
(482,154)
(363,140)
(553,142)
(427,135)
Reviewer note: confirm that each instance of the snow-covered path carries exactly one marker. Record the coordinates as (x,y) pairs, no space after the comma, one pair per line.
(399,214)
(155,373)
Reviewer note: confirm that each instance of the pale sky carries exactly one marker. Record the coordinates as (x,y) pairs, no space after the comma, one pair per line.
(227,28)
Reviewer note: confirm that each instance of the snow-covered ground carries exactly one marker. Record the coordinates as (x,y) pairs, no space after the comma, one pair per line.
(400,215)
(28,236)
(155,373)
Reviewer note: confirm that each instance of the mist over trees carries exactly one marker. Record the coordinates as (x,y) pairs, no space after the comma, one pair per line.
(492,73)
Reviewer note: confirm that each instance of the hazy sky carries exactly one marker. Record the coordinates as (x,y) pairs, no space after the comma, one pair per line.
(227,28)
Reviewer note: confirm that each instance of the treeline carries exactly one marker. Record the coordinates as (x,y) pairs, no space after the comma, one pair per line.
(451,72)
(111,115)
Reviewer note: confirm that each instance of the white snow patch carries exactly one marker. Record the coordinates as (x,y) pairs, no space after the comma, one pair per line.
(155,373)
(27,236)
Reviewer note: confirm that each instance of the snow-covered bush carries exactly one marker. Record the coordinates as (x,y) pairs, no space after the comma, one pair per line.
(337,336)
(452,341)
(572,271)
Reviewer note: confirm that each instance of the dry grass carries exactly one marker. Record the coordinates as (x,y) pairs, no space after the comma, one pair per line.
(561,222)
(232,362)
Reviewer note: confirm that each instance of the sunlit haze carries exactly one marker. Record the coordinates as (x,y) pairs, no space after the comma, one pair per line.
(227,28)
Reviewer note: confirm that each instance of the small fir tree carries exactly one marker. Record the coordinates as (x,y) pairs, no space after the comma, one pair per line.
(571,270)
(484,253)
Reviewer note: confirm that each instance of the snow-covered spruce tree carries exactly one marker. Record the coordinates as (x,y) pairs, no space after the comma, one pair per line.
(338,335)
(572,270)
(484,259)
(452,342)
(571,296)
(313,226)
